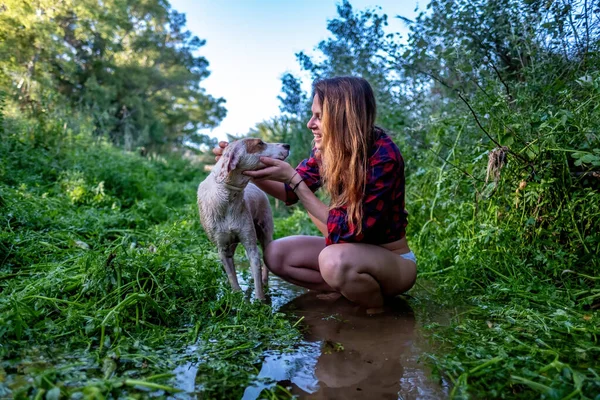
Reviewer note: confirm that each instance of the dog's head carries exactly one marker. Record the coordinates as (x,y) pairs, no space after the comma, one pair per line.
(245,154)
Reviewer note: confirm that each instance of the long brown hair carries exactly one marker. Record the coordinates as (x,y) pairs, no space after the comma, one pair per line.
(348,123)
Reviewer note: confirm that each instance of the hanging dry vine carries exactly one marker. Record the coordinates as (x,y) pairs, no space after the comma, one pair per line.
(496,161)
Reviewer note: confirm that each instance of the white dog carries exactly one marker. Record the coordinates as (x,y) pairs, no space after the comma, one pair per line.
(233,211)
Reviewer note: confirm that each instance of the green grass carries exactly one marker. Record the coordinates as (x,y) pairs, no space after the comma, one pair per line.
(524,265)
(108,283)
(107,279)
(516,341)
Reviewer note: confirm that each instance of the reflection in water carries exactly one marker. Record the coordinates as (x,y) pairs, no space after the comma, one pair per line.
(345,353)
(296,368)
(350,355)
(185,375)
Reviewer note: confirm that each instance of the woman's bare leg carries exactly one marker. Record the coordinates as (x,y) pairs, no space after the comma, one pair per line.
(296,260)
(363,273)
(366,273)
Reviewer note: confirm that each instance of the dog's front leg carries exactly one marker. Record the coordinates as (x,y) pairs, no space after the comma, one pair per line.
(255,265)
(227,260)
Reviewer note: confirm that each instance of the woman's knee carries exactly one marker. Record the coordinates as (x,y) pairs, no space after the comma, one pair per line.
(335,267)
(274,256)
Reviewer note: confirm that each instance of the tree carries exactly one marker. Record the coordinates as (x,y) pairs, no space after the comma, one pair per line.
(129,63)
(359,46)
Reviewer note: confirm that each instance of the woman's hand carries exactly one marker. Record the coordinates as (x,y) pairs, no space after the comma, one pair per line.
(218,151)
(275,170)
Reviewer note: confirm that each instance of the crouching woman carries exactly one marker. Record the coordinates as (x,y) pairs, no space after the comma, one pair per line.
(363,253)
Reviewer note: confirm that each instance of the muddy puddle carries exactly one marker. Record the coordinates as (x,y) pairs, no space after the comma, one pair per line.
(345,354)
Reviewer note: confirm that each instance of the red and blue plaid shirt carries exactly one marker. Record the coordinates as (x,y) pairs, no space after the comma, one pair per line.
(384,216)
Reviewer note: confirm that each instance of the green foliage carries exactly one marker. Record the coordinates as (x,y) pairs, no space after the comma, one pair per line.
(360,46)
(497,105)
(109,283)
(524,335)
(294,103)
(496,110)
(130,65)
(503,194)
(297,223)
(2,106)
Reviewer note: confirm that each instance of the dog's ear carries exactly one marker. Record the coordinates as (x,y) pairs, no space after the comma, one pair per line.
(230,161)
(234,158)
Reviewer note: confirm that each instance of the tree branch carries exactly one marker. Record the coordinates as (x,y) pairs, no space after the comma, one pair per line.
(477,121)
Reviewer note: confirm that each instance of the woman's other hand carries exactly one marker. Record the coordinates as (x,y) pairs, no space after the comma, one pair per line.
(218,151)
(275,170)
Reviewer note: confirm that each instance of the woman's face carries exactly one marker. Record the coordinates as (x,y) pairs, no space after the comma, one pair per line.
(314,124)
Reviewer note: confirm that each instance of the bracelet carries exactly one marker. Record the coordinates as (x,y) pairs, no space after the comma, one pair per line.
(297,184)
(292,178)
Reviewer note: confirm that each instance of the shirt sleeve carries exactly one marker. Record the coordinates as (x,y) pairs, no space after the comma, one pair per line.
(379,193)
(308,170)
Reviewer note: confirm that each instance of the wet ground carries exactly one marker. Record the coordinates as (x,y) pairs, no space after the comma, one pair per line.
(345,354)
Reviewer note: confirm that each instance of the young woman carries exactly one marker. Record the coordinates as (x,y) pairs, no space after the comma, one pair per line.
(363,253)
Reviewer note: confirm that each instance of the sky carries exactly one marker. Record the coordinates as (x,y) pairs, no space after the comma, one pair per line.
(250,44)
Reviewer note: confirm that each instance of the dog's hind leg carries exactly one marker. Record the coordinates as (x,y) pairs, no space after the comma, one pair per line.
(264,232)
(265,273)
(255,263)
(226,256)
(264,238)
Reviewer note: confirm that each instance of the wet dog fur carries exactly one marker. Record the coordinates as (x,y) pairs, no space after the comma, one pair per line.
(233,210)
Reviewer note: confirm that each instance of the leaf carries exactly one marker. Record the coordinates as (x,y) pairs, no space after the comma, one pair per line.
(507,141)
(586,158)
(53,394)
(82,245)
(109,366)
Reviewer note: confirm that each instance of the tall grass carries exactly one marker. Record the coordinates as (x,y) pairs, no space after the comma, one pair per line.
(518,245)
(108,281)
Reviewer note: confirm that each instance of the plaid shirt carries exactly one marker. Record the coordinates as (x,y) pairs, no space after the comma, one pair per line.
(384,216)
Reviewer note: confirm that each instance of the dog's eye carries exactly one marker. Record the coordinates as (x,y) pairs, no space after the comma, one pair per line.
(261,143)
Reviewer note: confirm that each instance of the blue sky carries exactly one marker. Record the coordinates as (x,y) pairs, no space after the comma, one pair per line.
(250,44)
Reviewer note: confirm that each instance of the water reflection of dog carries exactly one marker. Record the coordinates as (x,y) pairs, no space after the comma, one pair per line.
(362,356)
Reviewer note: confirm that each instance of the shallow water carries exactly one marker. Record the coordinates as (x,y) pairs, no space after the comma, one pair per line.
(344,354)
(347,354)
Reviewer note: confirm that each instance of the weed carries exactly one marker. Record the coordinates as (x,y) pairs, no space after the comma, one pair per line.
(108,282)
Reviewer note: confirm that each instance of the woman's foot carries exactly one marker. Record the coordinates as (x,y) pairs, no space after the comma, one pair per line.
(331,296)
(374,311)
